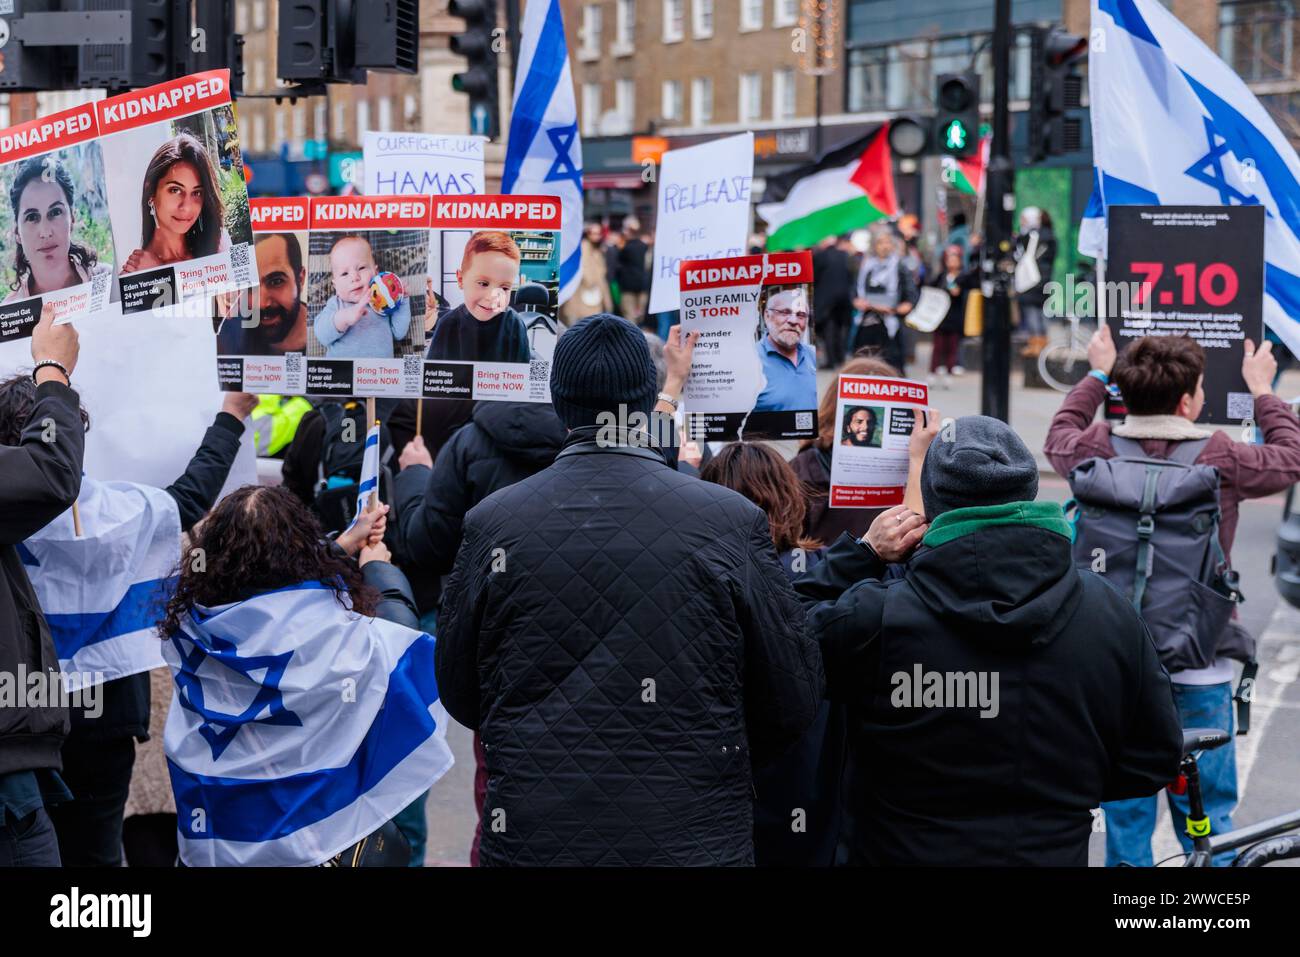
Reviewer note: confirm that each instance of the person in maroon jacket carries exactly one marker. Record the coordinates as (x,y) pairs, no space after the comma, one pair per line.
(1162,381)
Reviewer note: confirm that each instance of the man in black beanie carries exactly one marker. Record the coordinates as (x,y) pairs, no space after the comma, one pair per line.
(621,635)
(997,694)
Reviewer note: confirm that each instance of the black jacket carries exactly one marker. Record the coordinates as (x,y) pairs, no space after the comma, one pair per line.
(40,481)
(1085,712)
(955,320)
(505,442)
(125,701)
(395,600)
(632,273)
(623,637)
(832,283)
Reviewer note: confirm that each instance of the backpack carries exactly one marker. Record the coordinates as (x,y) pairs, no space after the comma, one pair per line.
(1150,527)
(340,465)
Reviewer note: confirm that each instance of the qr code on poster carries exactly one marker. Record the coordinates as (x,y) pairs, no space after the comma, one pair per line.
(803,420)
(539,370)
(99,287)
(293,374)
(1241,405)
(411,366)
(240,268)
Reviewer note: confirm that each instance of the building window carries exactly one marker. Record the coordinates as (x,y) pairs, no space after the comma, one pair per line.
(340,130)
(625,101)
(411,111)
(785,13)
(591,23)
(385,114)
(701,101)
(259,75)
(671,100)
(590,108)
(783,92)
(751,14)
(702,19)
(320,119)
(259,133)
(1258,38)
(624,26)
(363,118)
(259,14)
(241,16)
(299,123)
(751,97)
(674,20)
(281,129)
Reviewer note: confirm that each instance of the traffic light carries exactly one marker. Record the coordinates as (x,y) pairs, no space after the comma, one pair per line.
(957,113)
(337,41)
(479,81)
(1056,87)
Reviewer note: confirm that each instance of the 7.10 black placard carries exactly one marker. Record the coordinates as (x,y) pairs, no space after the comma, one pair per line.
(1194,270)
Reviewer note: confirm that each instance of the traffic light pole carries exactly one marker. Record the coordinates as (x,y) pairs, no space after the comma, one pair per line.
(997,256)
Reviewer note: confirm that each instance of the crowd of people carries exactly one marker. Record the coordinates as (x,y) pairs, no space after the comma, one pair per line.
(671,653)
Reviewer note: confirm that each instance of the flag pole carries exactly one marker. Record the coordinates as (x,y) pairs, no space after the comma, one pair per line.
(370,418)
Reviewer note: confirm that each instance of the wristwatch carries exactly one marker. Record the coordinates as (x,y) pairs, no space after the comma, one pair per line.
(665,397)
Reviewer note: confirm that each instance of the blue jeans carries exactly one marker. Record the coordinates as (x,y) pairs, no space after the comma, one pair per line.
(1129,824)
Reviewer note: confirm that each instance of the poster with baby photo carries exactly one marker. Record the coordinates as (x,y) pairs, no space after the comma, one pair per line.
(494,271)
(262,331)
(55,244)
(754,368)
(177,195)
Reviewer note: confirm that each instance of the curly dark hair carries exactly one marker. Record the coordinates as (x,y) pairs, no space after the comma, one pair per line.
(17,397)
(258,539)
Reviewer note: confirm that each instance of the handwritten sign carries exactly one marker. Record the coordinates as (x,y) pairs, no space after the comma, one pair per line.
(425,164)
(704,194)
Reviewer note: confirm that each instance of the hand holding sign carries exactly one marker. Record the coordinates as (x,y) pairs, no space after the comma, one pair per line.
(1259,368)
(58,343)
(1101,350)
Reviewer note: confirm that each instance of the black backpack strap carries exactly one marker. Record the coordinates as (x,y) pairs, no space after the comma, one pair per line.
(1146,527)
(1245,694)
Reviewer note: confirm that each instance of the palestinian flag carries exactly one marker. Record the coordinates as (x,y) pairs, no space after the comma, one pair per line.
(966,175)
(845,190)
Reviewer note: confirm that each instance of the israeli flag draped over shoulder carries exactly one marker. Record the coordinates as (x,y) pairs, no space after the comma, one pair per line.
(298,727)
(103,592)
(1173,124)
(544,150)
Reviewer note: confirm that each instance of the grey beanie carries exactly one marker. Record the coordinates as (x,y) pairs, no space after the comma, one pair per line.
(985,463)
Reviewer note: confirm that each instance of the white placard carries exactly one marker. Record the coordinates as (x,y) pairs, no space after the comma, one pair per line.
(425,164)
(930,309)
(703,210)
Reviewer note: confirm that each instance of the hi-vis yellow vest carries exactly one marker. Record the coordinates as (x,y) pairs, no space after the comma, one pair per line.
(275,420)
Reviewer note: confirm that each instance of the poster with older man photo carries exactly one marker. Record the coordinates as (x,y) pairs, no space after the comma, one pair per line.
(754,369)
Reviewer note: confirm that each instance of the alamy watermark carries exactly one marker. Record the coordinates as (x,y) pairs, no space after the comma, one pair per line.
(946,689)
(49,689)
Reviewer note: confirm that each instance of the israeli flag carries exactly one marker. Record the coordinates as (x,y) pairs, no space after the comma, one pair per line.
(103,592)
(544,150)
(298,728)
(369,473)
(1173,124)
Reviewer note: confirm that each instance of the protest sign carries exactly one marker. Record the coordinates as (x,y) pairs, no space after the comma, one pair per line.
(147,385)
(873,425)
(754,370)
(1193,270)
(703,210)
(426,164)
(178,202)
(399,296)
(55,246)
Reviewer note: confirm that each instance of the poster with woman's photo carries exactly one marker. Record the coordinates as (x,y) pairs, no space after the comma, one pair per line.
(754,368)
(55,244)
(177,195)
(494,271)
(397,296)
(873,419)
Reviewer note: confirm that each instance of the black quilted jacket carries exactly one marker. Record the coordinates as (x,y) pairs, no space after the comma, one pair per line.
(626,642)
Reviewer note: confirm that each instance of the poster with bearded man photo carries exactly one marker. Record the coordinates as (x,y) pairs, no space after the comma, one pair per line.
(754,368)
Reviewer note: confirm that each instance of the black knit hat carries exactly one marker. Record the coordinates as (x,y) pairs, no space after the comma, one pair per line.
(983,462)
(601,363)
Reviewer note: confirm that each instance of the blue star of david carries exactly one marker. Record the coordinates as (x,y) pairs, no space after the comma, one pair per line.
(219,729)
(563,167)
(1213,161)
